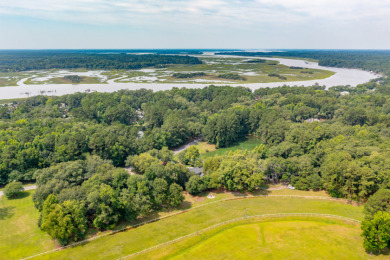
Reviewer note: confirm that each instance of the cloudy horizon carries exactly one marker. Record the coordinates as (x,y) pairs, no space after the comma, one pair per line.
(200,24)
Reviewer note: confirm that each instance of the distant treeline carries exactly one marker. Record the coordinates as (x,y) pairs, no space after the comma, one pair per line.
(31,60)
(277,76)
(371,60)
(233,76)
(257,61)
(188,75)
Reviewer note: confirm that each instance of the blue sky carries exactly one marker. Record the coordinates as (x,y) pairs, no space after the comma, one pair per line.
(254,24)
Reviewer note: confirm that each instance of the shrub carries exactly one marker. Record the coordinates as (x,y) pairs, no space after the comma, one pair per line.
(13,189)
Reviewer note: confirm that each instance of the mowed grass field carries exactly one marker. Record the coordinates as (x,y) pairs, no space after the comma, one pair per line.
(20,236)
(208,150)
(19,232)
(249,143)
(134,240)
(285,238)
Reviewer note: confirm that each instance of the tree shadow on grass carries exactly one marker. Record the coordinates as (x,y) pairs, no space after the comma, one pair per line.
(384,252)
(6,212)
(185,205)
(22,195)
(257,192)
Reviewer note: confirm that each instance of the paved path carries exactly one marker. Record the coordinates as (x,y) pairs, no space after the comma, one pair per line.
(186,146)
(30,187)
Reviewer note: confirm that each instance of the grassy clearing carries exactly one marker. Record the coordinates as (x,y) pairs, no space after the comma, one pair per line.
(134,240)
(249,143)
(203,148)
(208,150)
(287,238)
(19,233)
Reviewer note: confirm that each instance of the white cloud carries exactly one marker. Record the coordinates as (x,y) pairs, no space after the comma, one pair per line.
(193,11)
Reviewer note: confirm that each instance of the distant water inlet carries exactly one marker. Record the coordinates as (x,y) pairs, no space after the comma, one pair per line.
(342,76)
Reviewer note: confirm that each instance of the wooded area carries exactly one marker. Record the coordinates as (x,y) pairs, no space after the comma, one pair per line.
(35,60)
(374,60)
(75,146)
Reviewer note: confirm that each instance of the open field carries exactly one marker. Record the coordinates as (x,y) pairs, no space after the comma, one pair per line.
(134,240)
(19,232)
(208,150)
(203,148)
(285,238)
(18,221)
(20,236)
(248,144)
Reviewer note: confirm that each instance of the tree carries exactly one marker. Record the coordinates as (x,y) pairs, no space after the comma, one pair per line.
(137,198)
(223,129)
(165,155)
(376,232)
(15,175)
(65,222)
(238,174)
(105,206)
(315,182)
(380,201)
(211,164)
(142,162)
(13,189)
(261,150)
(176,196)
(195,185)
(160,190)
(190,156)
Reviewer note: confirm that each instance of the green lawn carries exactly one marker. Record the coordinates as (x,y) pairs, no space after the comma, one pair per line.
(19,233)
(125,243)
(287,238)
(18,221)
(208,150)
(249,143)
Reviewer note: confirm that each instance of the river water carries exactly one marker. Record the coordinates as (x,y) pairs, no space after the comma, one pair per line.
(342,76)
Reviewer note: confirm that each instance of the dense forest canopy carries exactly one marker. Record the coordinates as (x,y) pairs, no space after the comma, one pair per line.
(44,131)
(371,60)
(11,61)
(75,147)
